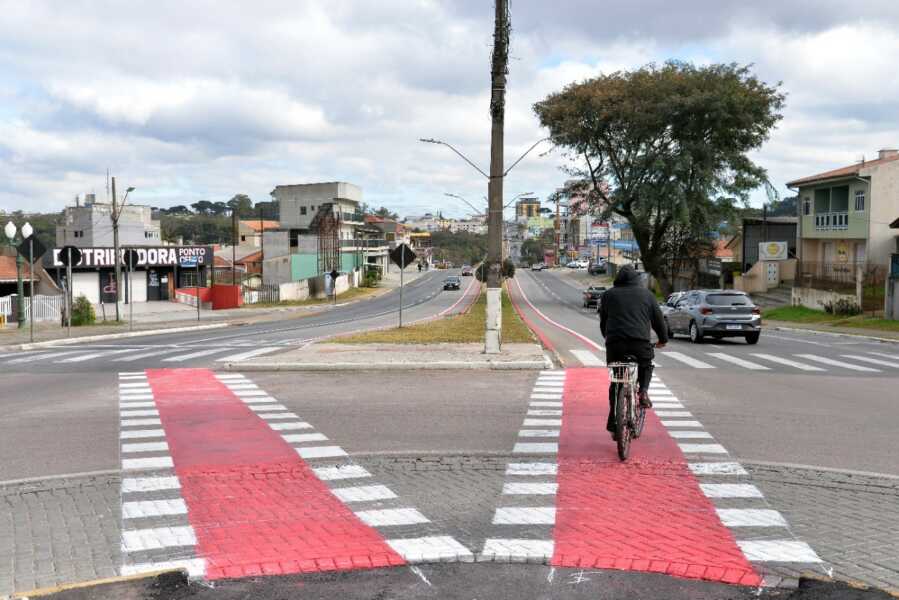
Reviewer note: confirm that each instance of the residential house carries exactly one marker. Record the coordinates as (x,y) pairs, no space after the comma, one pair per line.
(250,231)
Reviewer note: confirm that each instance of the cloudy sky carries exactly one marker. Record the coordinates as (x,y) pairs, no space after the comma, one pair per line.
(191,100)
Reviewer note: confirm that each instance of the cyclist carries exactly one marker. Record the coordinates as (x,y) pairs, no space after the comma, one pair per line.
(626,314)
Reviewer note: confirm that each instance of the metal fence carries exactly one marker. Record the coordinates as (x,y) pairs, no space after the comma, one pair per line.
(865,281)
(263,294)
(46,308)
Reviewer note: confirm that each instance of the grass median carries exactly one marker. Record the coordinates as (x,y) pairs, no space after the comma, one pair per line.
(351,294)
(810,316)
(458,329)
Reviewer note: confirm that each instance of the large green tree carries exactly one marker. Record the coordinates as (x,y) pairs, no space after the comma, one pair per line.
(662,144)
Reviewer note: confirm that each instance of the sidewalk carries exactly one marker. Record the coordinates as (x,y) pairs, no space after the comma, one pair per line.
(346,357)
(881,334)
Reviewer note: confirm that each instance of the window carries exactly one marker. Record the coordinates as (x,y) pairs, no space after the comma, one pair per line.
(806,206)
(302,210)
(839,199)
(822,201)
(859,200)
(243,238)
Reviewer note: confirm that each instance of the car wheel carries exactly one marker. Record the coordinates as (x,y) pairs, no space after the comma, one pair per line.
(752,338)
(670,332)
(695,333)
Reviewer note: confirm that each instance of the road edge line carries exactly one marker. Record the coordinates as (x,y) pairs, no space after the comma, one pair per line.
(580,337)
(835,333)
(519,365)
(115,336)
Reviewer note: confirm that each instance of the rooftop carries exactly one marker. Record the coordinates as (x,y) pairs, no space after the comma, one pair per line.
(8,269)
(885,156)
(263,225)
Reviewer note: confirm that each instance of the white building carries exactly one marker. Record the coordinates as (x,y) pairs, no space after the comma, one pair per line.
(89,225)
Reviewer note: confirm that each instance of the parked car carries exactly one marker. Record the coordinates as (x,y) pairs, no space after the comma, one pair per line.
(573,264)
(716,314)
(538,267)
(597,268)
(467,271)
(453,282)
(582,263)
(592,295)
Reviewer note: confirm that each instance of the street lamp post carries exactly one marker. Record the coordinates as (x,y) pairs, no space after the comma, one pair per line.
(116,213)
(10,231)
(27,232)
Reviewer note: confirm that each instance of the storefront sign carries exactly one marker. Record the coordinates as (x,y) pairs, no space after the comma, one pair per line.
(773,251)
(161,256)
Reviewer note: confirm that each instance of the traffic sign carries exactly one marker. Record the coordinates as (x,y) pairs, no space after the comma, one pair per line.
(67,251)
(402,256)
(31,247)
(130,257)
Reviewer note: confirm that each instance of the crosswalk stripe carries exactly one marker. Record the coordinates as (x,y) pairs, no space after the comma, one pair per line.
(688,360)
(250,354)
(836,363)
(183,357)
(788,362)
(587,358)
(142,355)
(738,361)
(893,356)
(42,356)
(873,361)
(92,355)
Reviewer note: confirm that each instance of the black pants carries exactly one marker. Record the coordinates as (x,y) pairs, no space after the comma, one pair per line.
(618,351)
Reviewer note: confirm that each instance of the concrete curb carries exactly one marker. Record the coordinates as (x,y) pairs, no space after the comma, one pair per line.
(835,333)
(38,593)
(518,365)
(114,336)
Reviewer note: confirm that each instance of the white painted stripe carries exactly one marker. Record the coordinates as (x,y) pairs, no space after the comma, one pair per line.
(751,517)
(266,407)
(681,423)
(195,567)
(231,377)
(145,447)
(130,397)
(546,390)
(688,360)
(588,359)
(124,385)
(132,373)
(702,449)
(893,356)
(142,509)
(873,361)
(134,357)
(517,549)
(837,363)
(389,517)
(430,549)
(535,448)
(155,462)
(242,385)
(190,355)
(792,551)
(532,468)
(140,413)
(717,468)
(538,404)
(525,515)
(341,472)
(129,434)
(539,433)
(542,422)
(659,405)
(149,484)
(249,354)
(364,493)
(738,361)
(298,438)
(557,373)
(92,355)
(258,400)
(730,490)
(546,396)
(537,489)
(544,412)
(787,362)
(139,422)
(137,540)
(320,451)
(690,435)
(289,426)
(249,393)
(132,376)
(145,404)
(277,416)
(673,413)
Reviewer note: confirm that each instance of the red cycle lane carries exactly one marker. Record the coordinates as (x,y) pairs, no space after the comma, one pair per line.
(256,507)
(648,514)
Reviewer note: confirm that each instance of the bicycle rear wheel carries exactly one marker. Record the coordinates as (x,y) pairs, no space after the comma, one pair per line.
(639,419)
(622,428)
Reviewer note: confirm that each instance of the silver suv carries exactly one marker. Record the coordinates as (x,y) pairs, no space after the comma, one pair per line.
(717,314)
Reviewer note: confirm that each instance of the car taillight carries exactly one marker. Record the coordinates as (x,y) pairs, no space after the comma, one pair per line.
(706,310)
(756,311)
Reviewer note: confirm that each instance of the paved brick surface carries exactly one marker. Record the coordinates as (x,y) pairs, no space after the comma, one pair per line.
(58,531)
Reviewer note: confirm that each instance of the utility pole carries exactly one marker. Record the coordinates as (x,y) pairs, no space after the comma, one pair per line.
(233,247)
(558,232)
(115,251)
(498,72)
(261,246)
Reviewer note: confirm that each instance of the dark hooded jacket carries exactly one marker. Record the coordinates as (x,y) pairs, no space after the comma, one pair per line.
(628,310)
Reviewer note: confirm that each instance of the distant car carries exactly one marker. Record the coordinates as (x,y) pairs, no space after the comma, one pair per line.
(592,295)
(668,305)
(572,264)
(467,271)
(582,263)
(453,282)
(597,268)
(716,314)
(538,267)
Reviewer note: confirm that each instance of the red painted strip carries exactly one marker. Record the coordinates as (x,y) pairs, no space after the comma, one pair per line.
(647,514)
(255,505)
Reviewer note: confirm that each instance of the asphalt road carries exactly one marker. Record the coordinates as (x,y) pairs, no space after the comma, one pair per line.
(795,397)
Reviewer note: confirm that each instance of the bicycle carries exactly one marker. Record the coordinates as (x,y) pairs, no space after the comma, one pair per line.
(629,415)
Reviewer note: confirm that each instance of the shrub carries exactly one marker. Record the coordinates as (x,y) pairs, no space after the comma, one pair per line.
(83,312)
(842,307)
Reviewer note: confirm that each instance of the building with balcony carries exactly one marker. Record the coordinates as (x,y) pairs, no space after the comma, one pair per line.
(527,208)
(845,213)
